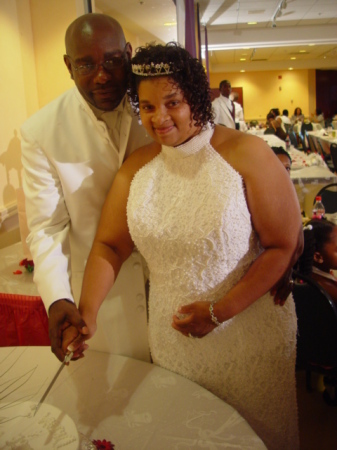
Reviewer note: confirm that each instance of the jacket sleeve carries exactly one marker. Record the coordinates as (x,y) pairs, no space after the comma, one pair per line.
(216,110)
(48,222)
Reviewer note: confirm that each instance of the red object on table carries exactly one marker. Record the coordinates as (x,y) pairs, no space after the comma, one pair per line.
(23,321)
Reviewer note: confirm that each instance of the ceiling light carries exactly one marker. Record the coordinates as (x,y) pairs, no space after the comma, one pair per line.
(267,44)
(242,59)
(293,57)
(251,23)
(303,51)
(291,68)
(242,70)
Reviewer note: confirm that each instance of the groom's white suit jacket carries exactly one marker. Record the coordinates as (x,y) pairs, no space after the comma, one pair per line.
(69,164)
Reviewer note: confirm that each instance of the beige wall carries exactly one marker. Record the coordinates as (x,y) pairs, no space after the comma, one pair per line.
(32,74)
(265,90)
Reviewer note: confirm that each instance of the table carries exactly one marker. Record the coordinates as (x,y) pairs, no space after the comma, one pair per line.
(315,127)
(309,177)
(326,139)
(271,139)
(133,404)
(23,318)
(122,319)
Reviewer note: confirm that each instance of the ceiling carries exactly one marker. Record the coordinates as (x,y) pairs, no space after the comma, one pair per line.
(304,35)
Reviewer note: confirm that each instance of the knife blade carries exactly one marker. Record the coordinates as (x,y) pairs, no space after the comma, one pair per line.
(65,361)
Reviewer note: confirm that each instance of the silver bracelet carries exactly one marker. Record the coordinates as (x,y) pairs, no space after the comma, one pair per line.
(214,319)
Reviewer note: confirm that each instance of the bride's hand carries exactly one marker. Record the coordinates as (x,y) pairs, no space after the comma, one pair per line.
(196,322)
(76,342)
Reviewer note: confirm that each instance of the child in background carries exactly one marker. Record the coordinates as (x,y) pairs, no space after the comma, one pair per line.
(283,156)
(319,257)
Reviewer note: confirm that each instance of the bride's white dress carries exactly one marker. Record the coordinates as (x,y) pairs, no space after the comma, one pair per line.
(188,216)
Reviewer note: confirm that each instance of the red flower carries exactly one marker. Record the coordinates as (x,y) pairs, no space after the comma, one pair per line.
(28,263)
(103,445)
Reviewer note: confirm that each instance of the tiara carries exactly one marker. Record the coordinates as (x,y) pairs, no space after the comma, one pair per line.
(152,69)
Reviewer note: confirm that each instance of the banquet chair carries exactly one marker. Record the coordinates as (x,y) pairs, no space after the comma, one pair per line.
(329,197)
(333,153)
(326,156)
(311,143)
(303,136)
(317,331)
(292,137)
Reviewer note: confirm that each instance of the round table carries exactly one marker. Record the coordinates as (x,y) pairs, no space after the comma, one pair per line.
(131,403)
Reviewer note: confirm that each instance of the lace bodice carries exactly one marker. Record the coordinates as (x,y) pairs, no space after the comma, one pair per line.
(188,206)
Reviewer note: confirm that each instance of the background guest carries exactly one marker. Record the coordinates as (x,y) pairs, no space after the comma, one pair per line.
(284,157)
(297,116)
(274,126)
(223,107)
(319,257)
(318,117)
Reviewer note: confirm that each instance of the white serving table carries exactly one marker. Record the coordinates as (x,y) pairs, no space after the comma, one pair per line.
(133,404)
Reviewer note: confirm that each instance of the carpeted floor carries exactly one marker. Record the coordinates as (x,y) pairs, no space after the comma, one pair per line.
(317,420)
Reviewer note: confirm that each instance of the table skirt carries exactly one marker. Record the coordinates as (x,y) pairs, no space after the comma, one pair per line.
(23,321)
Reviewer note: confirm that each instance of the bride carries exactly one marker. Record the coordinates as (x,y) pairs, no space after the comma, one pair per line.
(216,218)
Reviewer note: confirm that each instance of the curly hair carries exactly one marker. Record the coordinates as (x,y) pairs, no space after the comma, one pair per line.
(317,233)
(188,74)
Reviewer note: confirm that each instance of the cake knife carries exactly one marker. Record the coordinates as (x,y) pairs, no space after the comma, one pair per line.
(65,361)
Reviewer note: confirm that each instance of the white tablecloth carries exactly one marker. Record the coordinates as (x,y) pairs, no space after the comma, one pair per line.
(309,174)
(133,404)
(271,139)
(315,126)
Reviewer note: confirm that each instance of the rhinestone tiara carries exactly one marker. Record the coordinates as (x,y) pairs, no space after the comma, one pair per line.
(152,69)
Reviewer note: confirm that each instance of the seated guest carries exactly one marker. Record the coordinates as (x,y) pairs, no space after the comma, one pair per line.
(275,111)
(319,257)
(297,116)
(318,117)
(285,117)
(274,126)
(284,157)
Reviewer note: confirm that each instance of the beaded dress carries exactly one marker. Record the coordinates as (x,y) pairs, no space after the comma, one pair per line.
(188,216)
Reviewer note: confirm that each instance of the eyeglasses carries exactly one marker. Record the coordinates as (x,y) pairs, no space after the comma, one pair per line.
(115,62)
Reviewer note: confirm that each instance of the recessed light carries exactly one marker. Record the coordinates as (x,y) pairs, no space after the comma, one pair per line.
(251,23)
(242,59)
(290,68)
(242,70)
(293,57)
(303,51)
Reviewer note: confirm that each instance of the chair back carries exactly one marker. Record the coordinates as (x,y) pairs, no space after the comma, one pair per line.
(292,138)
(329,197)
(311,143)
(317,323)
(306,127)
(333,152)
